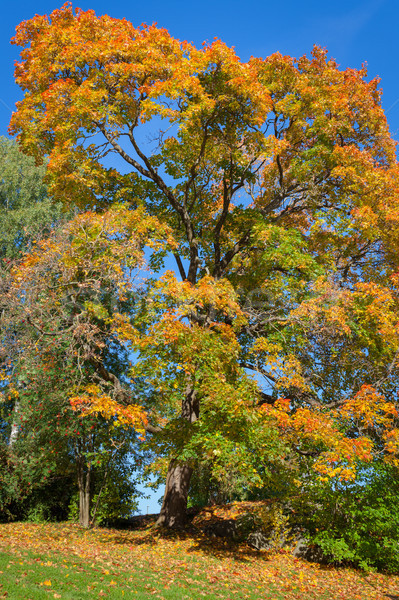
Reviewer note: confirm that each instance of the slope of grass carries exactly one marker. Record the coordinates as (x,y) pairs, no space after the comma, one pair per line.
(64,561)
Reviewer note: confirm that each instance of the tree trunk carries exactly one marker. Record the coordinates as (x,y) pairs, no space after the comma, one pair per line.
(84,482)
(174,506)
(14,425)
(84,508)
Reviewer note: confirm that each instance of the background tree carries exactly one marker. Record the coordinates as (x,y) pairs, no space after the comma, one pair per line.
(278,178)
(70,295)
(26,211)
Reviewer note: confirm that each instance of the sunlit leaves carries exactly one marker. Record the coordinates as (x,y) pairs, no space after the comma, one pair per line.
(93,401)
(274,183)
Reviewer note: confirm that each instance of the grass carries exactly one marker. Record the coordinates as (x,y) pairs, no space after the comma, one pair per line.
(63,561)
(33,576)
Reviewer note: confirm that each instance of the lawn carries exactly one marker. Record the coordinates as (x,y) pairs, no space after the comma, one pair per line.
(44,561)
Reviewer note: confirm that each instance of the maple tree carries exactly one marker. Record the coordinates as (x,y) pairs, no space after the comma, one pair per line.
(278,180)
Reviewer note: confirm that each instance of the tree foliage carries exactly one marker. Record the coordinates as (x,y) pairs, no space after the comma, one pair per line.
(276,343)
(65,302)
(26,210)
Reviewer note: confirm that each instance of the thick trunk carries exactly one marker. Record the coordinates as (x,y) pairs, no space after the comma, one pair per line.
(174,506)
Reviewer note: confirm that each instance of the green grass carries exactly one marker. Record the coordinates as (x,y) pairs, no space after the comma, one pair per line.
(30,576)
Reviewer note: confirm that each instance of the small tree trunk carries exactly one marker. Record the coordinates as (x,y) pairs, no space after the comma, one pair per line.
(174,506)
(84,508)
(84,481)
(14,425)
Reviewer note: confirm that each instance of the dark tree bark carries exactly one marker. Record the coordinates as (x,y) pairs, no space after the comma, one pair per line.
(174,506)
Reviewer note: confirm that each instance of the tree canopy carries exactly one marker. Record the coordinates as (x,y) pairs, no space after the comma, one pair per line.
(273,347)
(26,210)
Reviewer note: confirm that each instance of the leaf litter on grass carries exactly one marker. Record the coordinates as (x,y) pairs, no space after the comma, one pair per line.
(190,561)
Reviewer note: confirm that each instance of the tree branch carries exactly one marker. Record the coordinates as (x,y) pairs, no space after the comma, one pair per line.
(180,266)
(228,257)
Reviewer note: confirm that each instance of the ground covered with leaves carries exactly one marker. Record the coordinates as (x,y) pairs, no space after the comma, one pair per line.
(39,561)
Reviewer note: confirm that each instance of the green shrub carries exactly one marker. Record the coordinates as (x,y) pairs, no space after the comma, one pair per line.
(356,523)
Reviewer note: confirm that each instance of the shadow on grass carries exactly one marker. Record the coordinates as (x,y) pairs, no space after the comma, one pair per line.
(146,533)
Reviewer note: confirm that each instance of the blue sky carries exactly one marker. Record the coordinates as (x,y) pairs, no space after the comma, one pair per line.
(353,31)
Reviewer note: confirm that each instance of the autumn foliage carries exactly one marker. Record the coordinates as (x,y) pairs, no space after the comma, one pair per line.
(273,185)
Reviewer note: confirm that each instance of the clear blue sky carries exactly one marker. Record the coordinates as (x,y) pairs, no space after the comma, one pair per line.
(354,31)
